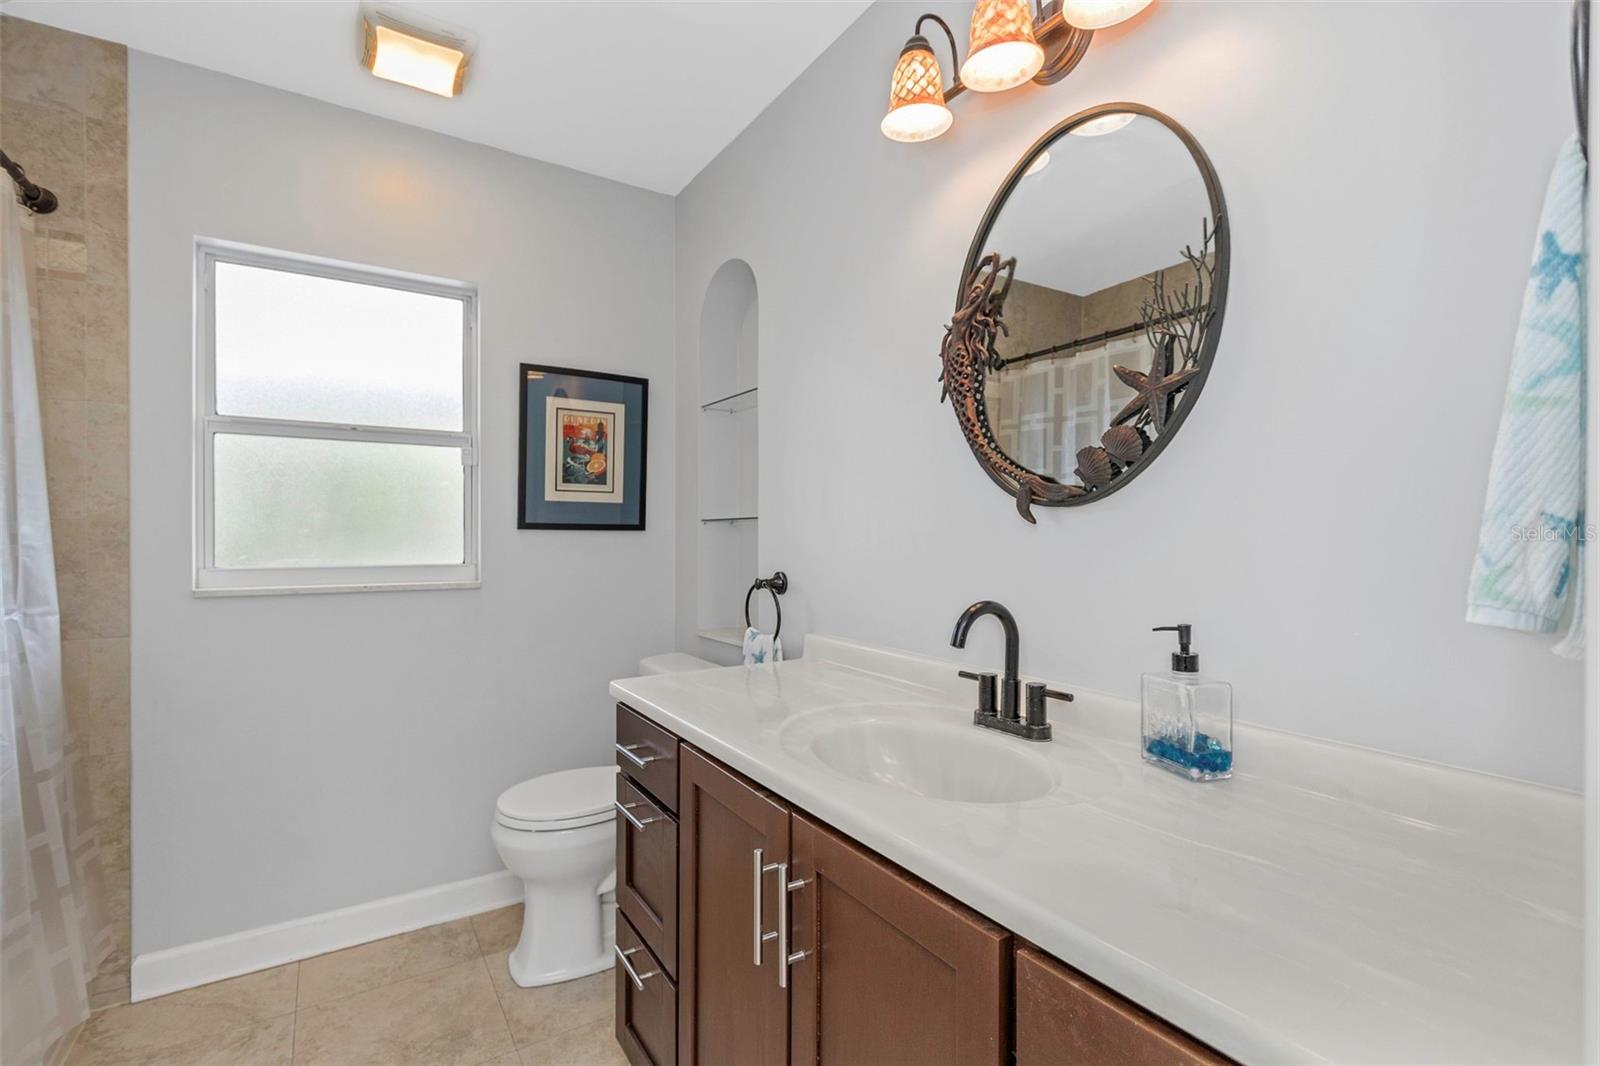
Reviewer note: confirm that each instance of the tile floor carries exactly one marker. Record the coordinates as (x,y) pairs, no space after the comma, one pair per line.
(434,996)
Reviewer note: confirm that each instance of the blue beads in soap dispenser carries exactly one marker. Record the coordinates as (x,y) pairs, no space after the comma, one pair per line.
(1186,721)
(1208,761)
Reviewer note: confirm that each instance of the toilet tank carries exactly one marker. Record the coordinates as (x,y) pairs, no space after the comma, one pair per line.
(673,662)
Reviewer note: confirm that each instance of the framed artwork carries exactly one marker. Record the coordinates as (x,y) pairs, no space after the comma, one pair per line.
(582,462)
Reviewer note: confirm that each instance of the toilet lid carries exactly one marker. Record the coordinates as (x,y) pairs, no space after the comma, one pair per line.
(564,796)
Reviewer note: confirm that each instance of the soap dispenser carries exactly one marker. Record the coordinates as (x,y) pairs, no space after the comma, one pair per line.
(1186,719)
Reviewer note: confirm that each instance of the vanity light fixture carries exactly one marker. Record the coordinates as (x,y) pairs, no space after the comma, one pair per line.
(1099,14)
(1001,50)
(427,59)
(1009,42)
(917,110)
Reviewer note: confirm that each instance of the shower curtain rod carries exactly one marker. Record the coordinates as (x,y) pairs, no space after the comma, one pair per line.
(1085,342)
(35,198)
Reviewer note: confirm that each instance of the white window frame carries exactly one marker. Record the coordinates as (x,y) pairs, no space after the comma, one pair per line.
(209,579)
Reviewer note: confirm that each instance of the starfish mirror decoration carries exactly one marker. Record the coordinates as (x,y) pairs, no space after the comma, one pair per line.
(1153,391)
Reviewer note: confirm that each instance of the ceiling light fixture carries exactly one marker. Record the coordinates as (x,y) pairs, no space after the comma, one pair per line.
(424,58)
(1009,43)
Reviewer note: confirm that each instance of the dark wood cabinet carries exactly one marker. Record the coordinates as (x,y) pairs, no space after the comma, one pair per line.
(732,1011)
(647,870)
(647,1003)
(1067,1019)
(894,971)
(757,936)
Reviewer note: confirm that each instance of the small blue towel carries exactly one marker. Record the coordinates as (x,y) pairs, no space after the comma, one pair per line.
(1530,546)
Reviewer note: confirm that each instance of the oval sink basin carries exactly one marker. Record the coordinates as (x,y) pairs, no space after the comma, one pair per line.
(934,760)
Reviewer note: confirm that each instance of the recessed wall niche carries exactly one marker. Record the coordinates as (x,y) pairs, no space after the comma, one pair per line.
(727,475)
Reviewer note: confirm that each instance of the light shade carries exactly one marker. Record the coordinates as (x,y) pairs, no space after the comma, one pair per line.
(1040,161)
(401,54)
(917,111)
(1098,14)
(1097,127)
(1001,50)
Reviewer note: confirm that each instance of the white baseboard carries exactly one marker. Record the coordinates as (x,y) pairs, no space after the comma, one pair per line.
(156,973)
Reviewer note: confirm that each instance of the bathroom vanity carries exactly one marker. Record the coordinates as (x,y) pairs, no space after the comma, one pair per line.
(822,860)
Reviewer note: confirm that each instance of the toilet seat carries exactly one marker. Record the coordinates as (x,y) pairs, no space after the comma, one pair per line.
(565,800)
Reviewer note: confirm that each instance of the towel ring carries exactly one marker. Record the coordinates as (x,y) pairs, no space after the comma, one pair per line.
(777,584)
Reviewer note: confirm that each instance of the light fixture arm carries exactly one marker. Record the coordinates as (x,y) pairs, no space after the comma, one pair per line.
(956,88)
(1063,43)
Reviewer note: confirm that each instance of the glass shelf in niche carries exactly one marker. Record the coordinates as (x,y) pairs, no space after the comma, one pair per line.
(731,635)
(743,400)
(731,518)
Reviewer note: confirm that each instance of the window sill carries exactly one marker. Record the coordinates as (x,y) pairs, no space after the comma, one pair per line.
(210,583)
(300,590)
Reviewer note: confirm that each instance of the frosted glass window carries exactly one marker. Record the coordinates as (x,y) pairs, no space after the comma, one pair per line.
(336,426)
(298,502)
(319,349)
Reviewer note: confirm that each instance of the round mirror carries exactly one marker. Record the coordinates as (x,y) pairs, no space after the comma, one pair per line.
(1090,306)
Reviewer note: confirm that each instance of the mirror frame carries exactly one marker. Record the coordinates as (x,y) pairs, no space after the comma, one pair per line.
(1031,488)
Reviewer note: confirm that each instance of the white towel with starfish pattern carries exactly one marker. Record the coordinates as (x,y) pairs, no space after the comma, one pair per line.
(761,647)
(1530,545)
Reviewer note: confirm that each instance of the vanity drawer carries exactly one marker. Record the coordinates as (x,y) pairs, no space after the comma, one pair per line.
(647,870)
(648,754)
(647,1012)
(1065,1019)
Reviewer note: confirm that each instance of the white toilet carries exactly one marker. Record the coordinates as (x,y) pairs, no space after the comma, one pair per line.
(557,832)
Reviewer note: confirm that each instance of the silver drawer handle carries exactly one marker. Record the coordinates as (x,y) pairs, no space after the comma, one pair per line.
(641,761)
(785,957)
(626,810)
(635,976)
(759,866)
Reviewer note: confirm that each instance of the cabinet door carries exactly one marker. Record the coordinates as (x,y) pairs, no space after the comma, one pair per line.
(1066,1019)
(647,871)
(894,971)
(732,1011)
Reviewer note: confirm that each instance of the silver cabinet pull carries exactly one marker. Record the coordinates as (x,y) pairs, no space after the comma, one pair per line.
(630,752)
(626,810)
(635,976)
(758,867)
(785,957)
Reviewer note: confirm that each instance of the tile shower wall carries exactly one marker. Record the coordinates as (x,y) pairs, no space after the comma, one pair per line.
(64,116)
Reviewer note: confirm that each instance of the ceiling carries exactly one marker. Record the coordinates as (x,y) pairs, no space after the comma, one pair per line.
(646,92)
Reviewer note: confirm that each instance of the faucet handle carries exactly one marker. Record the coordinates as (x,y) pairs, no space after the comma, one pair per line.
(986,690)
(1038,692)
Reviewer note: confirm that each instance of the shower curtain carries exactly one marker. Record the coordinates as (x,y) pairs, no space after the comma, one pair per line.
(54,931)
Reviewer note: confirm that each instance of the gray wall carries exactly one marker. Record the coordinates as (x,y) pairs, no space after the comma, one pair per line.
(296,754)
(1383,167)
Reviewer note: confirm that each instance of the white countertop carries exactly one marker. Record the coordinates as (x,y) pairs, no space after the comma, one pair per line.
(1327,904)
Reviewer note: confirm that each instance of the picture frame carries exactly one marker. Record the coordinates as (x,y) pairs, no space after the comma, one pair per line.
(582,449)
